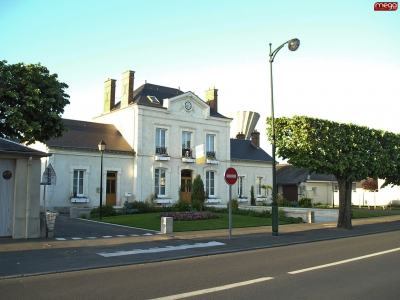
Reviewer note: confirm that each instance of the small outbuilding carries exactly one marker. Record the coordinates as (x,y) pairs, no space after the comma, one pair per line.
(20,171)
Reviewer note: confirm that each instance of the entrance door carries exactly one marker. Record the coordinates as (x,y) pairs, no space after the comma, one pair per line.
(186,185)
(111,196)
(7,176)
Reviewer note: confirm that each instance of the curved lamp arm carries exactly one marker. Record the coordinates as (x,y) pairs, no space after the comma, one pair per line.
(293,44)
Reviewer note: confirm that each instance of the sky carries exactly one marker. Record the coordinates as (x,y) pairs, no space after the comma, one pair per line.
(347,68)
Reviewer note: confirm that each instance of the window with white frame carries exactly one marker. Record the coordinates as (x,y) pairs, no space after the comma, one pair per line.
(78,183)
(210,146)
(160,141)
(259,185)
(159,182)
(210,183)
(240,187)
(314,189)
(186,143)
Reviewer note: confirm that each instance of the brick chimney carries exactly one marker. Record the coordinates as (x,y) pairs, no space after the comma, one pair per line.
(240,136)
(212,98)
(255,139)
(127,88)
(109,95)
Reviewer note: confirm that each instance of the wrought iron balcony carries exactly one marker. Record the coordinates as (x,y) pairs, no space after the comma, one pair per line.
(161,151)
(210,155)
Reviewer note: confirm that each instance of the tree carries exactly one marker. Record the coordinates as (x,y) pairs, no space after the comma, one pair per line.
(31,103)
(369,184)
(198,194)
(252,198)
(348,151)
(266,188)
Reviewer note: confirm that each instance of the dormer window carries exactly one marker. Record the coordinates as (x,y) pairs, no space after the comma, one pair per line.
(153,99)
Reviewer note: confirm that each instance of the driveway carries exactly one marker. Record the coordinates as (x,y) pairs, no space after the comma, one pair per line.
(67,228)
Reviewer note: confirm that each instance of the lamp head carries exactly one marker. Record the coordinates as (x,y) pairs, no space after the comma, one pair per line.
(102,146)
(293,44)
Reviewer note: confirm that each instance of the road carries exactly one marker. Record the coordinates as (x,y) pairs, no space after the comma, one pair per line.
(363,267)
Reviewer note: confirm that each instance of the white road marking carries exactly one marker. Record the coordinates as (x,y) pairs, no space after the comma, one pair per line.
(344,261)
(105,236)
(214,289)
(164,249)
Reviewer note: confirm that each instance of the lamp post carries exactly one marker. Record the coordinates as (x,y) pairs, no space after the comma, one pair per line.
(102,148)
(293,44)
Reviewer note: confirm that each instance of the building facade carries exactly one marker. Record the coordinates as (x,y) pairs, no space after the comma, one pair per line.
(151,138)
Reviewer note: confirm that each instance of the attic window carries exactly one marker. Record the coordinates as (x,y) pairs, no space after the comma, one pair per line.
(153,99)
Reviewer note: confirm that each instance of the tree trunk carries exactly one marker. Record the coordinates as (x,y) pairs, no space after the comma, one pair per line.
(344,220)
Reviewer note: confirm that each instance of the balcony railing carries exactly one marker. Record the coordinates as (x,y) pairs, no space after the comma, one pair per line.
(161,150)
(187,152)
(211,155)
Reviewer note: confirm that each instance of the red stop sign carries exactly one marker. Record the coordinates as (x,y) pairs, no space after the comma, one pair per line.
(230,176)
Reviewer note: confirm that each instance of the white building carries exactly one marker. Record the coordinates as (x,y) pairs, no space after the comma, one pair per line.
(150,137)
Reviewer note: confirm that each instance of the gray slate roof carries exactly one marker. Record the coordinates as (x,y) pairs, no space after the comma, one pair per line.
(161,93)
(289,175)
(246,151)
(84,135)
(10,147)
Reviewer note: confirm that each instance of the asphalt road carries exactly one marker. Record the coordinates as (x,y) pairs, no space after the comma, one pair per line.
(360,267)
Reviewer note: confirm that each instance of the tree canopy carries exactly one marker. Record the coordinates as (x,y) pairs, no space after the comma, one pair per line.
(348,151)
(369,184)
(31,103)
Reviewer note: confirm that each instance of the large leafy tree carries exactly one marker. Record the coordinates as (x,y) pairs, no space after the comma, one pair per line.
(31,103)
(348,151)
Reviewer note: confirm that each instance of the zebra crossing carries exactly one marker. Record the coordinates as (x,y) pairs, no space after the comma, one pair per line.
(103,237)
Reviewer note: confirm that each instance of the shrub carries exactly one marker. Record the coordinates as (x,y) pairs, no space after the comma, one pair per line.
(283,202)
(106,211)
(305,202)
(128,208)
(196,205)
(291,220)
(235,204)
(181,205)
(252,198)
(198,194)
(189,216)
(253,213)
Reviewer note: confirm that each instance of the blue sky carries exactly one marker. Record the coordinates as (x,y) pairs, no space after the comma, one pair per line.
(347,68)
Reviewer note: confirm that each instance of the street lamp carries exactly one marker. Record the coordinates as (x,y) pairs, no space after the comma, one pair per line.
(102,148)
(293,44)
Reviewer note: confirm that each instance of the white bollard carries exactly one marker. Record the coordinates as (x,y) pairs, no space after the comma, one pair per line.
(166,225)
(310,217)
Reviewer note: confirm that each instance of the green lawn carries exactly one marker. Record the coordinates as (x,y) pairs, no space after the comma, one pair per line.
(358,214)
(150,221)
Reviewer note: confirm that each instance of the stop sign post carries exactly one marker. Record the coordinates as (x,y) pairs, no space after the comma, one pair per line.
(231,177)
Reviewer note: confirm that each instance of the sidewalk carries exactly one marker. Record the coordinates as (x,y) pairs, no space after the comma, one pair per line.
(329,231)
(44,256)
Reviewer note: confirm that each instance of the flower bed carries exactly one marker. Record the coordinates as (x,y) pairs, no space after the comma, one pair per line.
(189,216)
